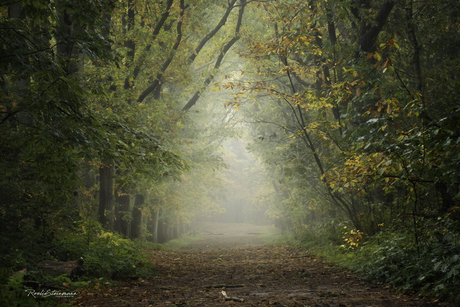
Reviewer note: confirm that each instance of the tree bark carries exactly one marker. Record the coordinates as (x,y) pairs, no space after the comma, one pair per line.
(106,195)
(370,33)
(136,224)
(65,38)
(223,20)
(153,224)
(122,212)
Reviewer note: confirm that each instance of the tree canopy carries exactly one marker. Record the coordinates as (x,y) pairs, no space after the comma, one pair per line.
(139,117)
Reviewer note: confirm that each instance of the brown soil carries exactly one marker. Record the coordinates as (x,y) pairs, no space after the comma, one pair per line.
(233,258)
(228,235)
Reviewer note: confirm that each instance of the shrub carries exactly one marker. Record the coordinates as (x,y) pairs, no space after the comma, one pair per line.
(106,255)
(392,257)
(433,267)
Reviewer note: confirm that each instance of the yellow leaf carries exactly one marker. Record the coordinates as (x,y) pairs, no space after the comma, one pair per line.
(389,109)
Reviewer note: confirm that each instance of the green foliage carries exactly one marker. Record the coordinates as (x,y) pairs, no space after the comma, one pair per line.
(49,126)
(106,255)
(434,271)
(323,233)
(182,242)
(361,125)
(351,118)
(15,293)
(430,268)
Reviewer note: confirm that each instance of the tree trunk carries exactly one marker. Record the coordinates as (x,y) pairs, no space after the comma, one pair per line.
(178,228)
(162,232)
(136,224)
(106,195)
(447,199)
(122,214)
(169,232)
(153,224)
(72,269)
(65,40)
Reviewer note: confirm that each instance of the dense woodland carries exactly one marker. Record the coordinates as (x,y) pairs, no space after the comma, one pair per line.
(337,120)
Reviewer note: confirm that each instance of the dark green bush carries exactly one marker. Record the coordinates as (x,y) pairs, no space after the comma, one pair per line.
(15,293)
(433,267)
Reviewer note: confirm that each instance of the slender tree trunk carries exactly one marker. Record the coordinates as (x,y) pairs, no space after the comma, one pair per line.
(169,233)
(162,231)
(136,224)
(154,224)
(106,195)
(178,228)
(122,217)
(447,199)
(122,212)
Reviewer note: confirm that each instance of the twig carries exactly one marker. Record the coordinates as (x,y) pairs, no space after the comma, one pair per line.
(228,298)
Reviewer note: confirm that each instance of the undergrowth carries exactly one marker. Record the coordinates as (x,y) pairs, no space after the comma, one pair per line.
(431,267)
(107,256)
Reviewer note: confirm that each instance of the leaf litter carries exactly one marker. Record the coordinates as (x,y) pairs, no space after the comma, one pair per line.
(236,269)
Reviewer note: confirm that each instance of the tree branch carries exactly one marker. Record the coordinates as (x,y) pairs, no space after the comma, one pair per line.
(155,33)
(226,48)
(213,32)
(166,64)
(367,41)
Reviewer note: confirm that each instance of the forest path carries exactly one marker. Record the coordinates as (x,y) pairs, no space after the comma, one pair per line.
(236,261)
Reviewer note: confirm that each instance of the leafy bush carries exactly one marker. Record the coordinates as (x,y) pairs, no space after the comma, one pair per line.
(106,255)
(315,234)
(433,267)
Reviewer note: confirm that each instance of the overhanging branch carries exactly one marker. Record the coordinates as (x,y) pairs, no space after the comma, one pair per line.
(226,48)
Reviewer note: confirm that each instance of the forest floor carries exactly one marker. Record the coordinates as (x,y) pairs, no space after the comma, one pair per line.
(233,259)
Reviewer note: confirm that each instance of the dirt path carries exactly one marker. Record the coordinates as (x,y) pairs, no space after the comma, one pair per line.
(237,262)
(228,235)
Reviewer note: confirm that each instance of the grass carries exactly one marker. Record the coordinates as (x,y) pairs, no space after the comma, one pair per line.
(183,241)
(272,236)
